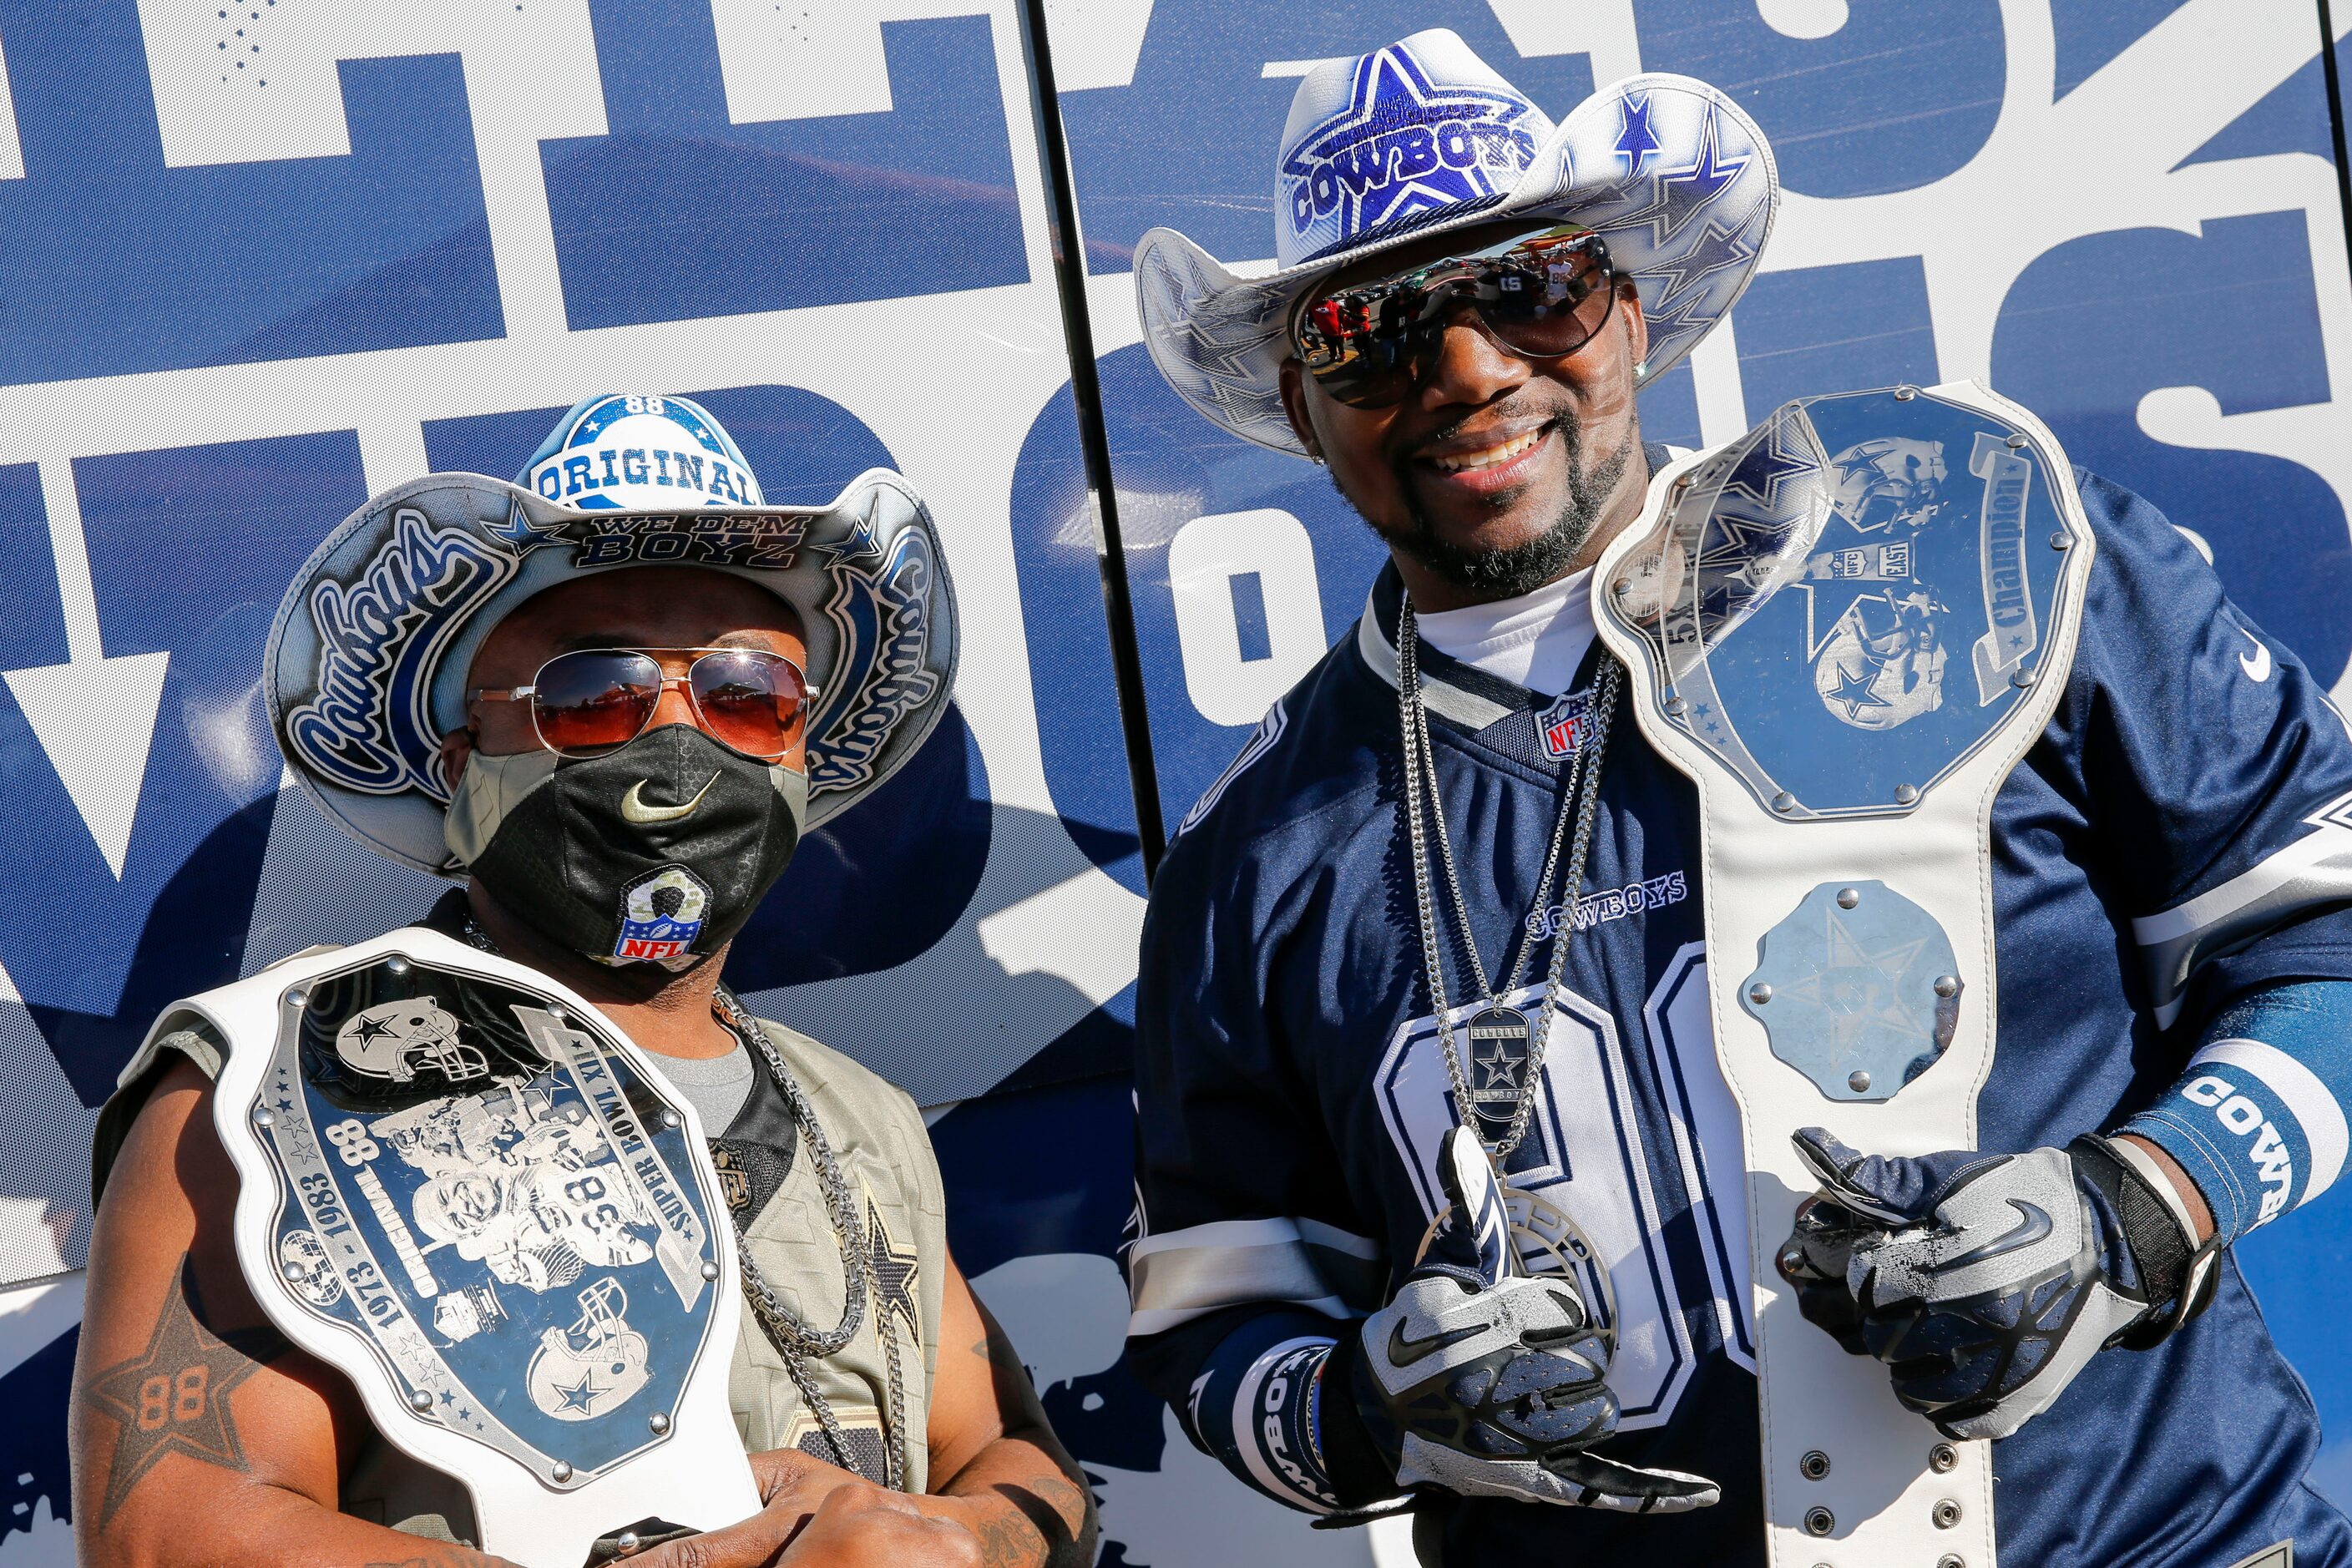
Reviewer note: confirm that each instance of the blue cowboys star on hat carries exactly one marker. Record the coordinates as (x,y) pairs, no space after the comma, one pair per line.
(1423,137)
(1408,141)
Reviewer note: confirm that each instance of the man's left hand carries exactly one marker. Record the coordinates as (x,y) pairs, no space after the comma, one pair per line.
(1983,1281)
(871,1527)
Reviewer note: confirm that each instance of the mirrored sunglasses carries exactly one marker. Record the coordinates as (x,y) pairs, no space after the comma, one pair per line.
(593,700)
(1540,295)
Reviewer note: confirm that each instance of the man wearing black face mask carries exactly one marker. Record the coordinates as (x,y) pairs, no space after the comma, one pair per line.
(450,1181)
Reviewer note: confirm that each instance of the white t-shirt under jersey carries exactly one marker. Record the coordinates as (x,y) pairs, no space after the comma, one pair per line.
(1536,640)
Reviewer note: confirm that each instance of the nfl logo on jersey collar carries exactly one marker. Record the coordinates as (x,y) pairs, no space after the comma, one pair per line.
(1424,137)
(1561,725)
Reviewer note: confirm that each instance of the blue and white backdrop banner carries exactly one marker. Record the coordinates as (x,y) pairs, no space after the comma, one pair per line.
(267,257)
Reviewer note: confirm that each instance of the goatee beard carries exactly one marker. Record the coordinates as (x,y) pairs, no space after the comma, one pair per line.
(1512,570)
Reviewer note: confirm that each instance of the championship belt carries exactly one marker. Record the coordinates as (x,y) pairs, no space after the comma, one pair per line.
(1847,627)
(463,1188)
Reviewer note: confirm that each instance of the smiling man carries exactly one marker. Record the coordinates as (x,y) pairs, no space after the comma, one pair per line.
(1871,696)
(411,1257)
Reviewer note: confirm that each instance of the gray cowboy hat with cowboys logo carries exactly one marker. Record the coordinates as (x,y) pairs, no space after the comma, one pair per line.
(1424,137)
(367,663)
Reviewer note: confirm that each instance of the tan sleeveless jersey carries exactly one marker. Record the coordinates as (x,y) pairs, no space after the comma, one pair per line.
(769,1179)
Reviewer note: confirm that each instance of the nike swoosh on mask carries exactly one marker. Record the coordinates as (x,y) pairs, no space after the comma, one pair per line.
(635,809)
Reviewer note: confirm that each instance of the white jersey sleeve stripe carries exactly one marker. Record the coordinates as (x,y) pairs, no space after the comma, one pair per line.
(2314,869)
(1181,1275)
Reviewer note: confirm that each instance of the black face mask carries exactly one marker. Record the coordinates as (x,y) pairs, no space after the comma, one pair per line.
(656,853)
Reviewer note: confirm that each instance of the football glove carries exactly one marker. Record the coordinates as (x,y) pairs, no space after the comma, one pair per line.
(1480,1381)
(1985,1283)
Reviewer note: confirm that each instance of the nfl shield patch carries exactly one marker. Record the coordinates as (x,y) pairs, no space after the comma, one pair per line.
(1561,725)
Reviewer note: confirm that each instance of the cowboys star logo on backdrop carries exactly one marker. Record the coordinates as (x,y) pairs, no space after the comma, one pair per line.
(1422,138)
(368,662)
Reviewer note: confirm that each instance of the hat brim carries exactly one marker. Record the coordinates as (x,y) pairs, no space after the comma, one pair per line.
(368,659)
(1685,209)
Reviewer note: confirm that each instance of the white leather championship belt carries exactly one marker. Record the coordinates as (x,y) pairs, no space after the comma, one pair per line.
(1847,627)
(466,1190)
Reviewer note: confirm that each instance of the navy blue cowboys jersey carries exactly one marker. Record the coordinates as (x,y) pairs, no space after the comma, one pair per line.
(2181,835)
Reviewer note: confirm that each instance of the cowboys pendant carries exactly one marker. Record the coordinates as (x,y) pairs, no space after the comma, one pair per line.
(1501,1045)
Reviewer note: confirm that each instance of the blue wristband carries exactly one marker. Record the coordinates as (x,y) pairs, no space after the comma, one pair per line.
(2257,1121)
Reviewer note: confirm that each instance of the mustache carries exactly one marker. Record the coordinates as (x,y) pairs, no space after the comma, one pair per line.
(1517,413)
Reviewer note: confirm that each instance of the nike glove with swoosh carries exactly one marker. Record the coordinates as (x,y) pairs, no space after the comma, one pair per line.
(1480,1381)
(1984,1281)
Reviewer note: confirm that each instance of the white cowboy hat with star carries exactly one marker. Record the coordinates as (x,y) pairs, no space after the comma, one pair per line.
(1424,137)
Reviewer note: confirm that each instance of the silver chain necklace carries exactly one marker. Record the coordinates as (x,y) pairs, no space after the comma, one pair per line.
(1515,1043)
(796,1341)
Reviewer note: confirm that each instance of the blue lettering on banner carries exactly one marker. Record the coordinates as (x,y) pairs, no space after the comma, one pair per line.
(2070,346)
(116,264)
(781,215)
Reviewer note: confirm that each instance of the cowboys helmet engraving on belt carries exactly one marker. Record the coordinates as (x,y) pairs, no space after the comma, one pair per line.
(592,1366)
(393,1039)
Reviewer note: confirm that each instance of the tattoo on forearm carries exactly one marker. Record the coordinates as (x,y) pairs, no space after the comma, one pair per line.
(173,1398)
(1007,1540)
(1049,1523)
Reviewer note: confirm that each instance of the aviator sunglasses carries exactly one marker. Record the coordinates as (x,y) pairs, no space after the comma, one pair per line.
(597,700)
(1540,295)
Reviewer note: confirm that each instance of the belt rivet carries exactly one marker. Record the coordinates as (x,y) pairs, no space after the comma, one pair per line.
(1759,994)
(2062,540)
(1948,985)
(658,1423)
(420,1401)
(1784,803)
(2016,442)
(560,1473)
(1907,795)
(1676,706)
(1942,1457)
(1815,1463)
(1849,896)
(1820,1522)
(1858,1081)
(1947,1514)
(396,965)
(1905,393)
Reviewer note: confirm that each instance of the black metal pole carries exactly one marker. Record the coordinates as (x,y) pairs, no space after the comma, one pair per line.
(2336,117)
(1094,436)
